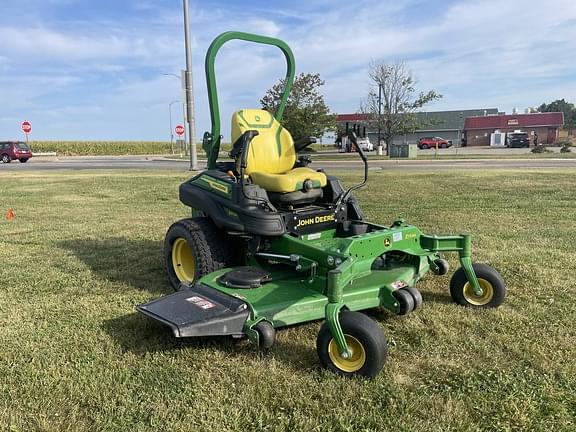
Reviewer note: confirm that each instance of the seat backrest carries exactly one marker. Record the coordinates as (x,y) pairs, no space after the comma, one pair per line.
(272,151)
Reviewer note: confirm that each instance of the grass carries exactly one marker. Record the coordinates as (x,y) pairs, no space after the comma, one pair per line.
(85,248)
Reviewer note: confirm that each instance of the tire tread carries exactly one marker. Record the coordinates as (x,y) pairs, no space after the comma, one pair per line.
(212,249)
(483,271)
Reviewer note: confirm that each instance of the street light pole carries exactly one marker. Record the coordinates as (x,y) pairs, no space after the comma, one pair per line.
(181,79)
(191,116)
(171,125)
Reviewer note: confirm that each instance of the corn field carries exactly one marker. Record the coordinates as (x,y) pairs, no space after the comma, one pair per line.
(99,148)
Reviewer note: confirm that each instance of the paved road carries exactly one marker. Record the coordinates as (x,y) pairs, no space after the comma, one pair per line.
(156,163)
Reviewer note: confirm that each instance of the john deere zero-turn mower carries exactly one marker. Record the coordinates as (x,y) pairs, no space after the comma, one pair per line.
(272,242)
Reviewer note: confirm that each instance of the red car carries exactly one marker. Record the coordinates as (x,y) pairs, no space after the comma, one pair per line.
(433,142)
(10,150)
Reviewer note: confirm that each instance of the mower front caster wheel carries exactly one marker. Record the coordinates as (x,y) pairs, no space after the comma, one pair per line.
(365,340)
(492,284)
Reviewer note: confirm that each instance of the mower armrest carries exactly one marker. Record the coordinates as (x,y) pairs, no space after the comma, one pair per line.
(302,143)
(246,140)
(236,147)
(242,142)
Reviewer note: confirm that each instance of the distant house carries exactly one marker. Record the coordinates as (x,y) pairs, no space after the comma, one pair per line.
(477,130)
(446,124)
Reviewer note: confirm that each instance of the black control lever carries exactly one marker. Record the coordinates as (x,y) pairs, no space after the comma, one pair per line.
(344,197)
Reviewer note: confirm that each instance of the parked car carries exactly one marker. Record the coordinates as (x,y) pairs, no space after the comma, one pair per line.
(365,144)
(433,142)
(517,139)
(11,150)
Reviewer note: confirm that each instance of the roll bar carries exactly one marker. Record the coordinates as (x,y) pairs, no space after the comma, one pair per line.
(211,141)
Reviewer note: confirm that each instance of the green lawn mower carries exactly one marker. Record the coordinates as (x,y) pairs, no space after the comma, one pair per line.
(272,243)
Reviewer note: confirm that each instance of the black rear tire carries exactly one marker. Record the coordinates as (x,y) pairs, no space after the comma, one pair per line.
(24,160)
(194,248)
(490,281)
(366,340)
(6,158)
(424,146)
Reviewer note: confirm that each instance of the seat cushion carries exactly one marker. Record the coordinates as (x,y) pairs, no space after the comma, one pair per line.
(289,182)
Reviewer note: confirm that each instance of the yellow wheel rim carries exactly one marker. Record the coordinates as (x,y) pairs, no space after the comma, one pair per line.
(183,260)
(356,360)
(479,300)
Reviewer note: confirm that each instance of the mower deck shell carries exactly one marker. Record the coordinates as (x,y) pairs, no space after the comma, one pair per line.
(198,311)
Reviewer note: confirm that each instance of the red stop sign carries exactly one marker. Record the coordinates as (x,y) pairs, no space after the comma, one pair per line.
(179,129)
(26,127)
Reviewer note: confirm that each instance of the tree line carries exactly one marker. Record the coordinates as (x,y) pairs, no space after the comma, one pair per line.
(390,105)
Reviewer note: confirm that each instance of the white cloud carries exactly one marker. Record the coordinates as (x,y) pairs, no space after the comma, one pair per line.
(477,53)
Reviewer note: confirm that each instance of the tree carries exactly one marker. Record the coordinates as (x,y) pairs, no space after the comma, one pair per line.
(560,105)
(306,112)
(392,101)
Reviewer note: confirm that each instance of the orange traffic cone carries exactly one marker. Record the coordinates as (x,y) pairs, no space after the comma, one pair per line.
(10,214)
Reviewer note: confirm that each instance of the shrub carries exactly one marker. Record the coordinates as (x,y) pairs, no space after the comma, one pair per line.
(540,148)
(563,142)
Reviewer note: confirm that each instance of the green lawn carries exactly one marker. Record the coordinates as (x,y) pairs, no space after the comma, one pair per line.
(85,248)
(325,156)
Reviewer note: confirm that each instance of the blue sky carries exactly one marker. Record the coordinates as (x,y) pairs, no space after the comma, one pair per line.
(81,69)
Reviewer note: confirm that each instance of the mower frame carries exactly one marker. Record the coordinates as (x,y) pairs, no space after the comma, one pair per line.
(300,263)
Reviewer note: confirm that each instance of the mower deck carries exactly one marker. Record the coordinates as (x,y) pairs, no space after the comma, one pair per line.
(210,309)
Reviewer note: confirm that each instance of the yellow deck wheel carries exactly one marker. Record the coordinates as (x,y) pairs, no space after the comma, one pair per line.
(479,300)
(490,281)
(183,260)
(356,360)
(366,343)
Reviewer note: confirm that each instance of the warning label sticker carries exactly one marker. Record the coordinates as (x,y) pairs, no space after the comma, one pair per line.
(398,284)
(200,302)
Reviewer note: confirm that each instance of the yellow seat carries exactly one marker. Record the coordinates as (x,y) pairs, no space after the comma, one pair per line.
(271,158)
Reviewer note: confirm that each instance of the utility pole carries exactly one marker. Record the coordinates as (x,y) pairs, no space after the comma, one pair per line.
(181,78)
(379,111)
(171,125)
(380,116)
(190,114)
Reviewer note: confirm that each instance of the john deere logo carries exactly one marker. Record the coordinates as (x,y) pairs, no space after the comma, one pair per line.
(387,242)
(315,220)
(257,118)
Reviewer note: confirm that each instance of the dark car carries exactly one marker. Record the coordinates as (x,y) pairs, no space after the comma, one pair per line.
(11,150)
(433,142)
(517,139)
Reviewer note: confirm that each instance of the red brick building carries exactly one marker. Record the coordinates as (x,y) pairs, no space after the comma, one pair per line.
(477,130)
